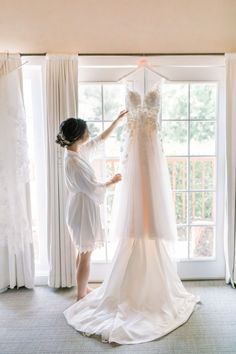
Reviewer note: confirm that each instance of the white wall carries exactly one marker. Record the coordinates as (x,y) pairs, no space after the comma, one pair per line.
(124,26)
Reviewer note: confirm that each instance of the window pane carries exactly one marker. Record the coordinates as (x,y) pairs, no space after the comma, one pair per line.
(99,168)
(114,141)
(112,167)
(203,101)
(112,147)
(202,172)
(111,248)
(182,244)
(94,129)
(202,138)
(32,164)
(90,103)
(202,207)
(178,172)
(99,255)
(33,93)
(180,201)
(175,101)
(202,241)
(113,100)
(175,138)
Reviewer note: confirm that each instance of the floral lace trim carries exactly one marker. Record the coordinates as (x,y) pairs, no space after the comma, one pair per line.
(144,121)
(98,244)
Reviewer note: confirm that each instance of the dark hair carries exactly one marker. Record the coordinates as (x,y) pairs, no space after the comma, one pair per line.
(70,130)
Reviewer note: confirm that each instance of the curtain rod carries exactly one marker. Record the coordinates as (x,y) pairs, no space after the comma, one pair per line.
(125,54)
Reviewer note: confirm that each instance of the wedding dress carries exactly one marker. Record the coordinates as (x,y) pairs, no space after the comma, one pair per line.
(142,298)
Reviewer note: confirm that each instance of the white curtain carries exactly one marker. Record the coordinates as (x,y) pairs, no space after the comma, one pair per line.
(16,243)
(230,219)
(62,103)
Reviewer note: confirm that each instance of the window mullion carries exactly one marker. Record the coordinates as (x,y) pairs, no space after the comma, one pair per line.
(103,123)
(188,174)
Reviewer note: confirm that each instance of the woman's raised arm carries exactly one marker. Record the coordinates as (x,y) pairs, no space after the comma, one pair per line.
(113,125)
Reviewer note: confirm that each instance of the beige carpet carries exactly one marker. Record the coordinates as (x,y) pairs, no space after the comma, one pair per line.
(31,321)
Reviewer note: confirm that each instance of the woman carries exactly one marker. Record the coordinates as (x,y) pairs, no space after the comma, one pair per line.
(85,193)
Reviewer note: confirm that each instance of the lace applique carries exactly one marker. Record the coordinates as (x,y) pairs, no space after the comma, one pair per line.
(152,99)
(22,157)
(142,121)
(14,168)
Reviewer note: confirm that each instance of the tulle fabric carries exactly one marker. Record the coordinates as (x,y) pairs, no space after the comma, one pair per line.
(141,299)
(143,204)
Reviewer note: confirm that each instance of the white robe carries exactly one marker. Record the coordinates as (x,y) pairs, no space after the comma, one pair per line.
(85,194)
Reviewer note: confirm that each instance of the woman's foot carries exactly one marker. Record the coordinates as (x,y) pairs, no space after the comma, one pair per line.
(79,297)
(88,290)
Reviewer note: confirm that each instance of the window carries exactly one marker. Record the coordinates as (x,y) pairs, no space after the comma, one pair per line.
(189,137)
(189,114)
(33,100)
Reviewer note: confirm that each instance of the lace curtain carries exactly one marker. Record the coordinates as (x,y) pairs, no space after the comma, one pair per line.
(16,243)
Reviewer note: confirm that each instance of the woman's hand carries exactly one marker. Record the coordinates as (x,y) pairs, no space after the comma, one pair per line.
(115,179)
(113,125)
(122,114)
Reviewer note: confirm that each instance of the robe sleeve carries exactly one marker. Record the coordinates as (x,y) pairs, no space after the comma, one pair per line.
(92,146)
(83,181)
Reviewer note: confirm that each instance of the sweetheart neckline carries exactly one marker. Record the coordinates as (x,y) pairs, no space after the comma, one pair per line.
(146,94)
(142,99)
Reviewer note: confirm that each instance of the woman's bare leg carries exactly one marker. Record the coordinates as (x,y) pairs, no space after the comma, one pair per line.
(77,260)
(83,270)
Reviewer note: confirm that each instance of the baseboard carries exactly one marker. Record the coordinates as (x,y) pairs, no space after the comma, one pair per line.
(42,279)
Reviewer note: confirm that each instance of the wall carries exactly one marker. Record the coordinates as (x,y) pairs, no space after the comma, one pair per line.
(124,26)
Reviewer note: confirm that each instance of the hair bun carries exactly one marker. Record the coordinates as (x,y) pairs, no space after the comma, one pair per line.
(70,130)
(62,142)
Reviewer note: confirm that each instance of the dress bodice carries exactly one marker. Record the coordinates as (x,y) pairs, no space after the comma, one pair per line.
(143,117)
(151,100)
